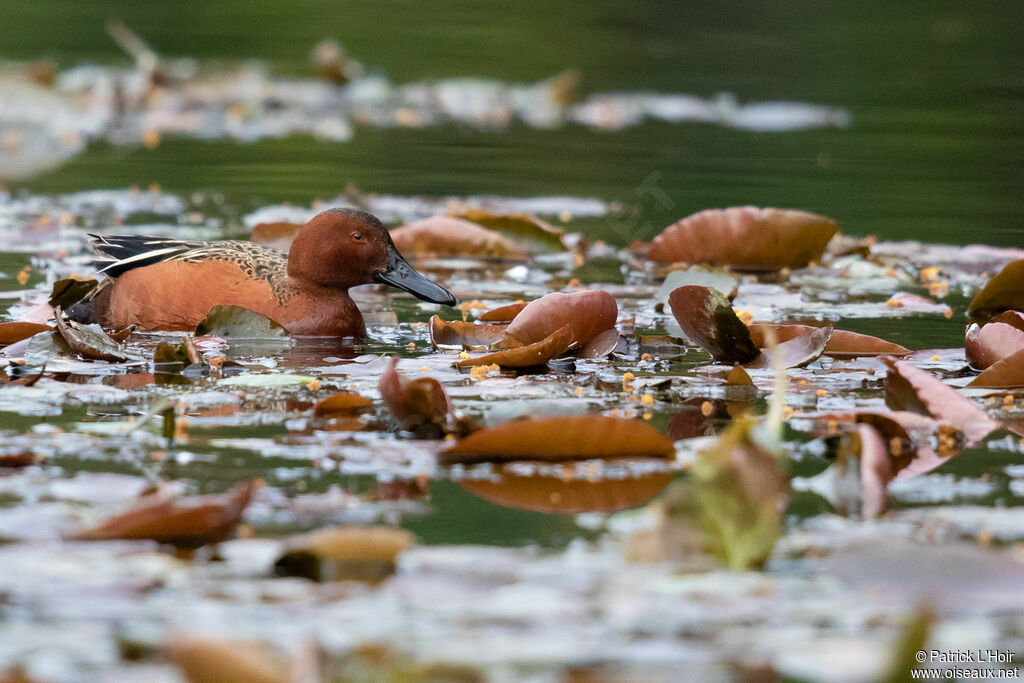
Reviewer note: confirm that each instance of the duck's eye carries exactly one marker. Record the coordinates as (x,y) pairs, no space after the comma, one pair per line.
(357,236)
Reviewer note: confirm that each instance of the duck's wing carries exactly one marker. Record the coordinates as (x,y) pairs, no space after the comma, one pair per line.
(117,254)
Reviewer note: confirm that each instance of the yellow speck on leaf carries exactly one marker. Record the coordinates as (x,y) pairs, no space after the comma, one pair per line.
(23,275)
(646,357)
(822,393)
(647,400)
(463,355)
(423,369)
(936,357)
(706,408)
(313,385)
(579,391)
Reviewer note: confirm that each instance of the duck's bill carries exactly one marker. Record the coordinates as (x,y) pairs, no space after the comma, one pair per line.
(402,275)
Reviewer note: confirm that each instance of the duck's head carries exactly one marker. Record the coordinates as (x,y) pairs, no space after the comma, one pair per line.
(344,248)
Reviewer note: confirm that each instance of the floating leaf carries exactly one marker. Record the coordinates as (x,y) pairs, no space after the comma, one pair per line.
(458,333)
(503,314)
(745,236)
(16,331)
(707,318)
(910,388)
(842,344)
(588,312)
(1006,373)
(70,291)
(797,351)
(740,495)
(527,356)
(181,522)
(524,228)
(277,235)
(239,323)
(342,404)
(991,343)
(351,553)
(207,660)
(89,341)
(267,380)
(453,236)
(416,402)
(569,491)
(1001,293)
(561,438)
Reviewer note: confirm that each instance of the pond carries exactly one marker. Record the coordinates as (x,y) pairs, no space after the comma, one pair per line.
(608,122)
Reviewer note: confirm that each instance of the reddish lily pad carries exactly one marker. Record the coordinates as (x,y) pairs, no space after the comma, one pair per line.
(1003,292)
(503,314)
(530,355)
(279,235)
(910,388)
(588,313)
(1006,373)
(707,317)
(342,404)
(453,236)
(876,471)
(745,236)
(842,344)
(181,522)
(579,437)
(991,343)
(16,331)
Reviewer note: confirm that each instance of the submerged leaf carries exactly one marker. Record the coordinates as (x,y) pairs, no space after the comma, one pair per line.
(527,356)
(707,318)
(1003,292)
(588,312)
(240,323)
(181,522)
(561,438)
(453,236)
(745,236)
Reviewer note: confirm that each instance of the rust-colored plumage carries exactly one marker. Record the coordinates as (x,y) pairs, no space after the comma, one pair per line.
(160,284)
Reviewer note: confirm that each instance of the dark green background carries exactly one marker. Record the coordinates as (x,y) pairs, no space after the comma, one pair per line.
(936,90)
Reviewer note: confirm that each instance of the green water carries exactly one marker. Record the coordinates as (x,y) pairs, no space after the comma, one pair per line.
(935,90)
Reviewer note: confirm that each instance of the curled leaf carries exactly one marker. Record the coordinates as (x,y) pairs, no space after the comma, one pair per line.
(523,228)
(841,344)
(503,314)
(601,345)
(350,553)
(527,356)
(1003,292)
(991,343)
(745,236)
(1006,373)
(414,403)
(588,313)
(89,341)
(70,291)
(458,333)
(910,388)
(797,351)
(561,438)
(707,318)
(181,522)
(453,236)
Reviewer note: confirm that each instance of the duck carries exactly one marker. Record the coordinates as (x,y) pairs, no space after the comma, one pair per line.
(163,284)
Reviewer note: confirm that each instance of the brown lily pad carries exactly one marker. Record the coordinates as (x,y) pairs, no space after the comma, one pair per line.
(16,331)
(279,235)
(454,237)
(503,314)
(588,313)
(561,438)
(348,553)
(910,388)
(414,403)
(181,522)
(458,333)
(745,236)
(342,404)
(797,351)
(70,291)
(530,355)
(522,227)
(1002,293)
(601,345)
(842,344)
(89,341)
(707,318)
(1006,373)
(220,661)
(991,343)
(568,492)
